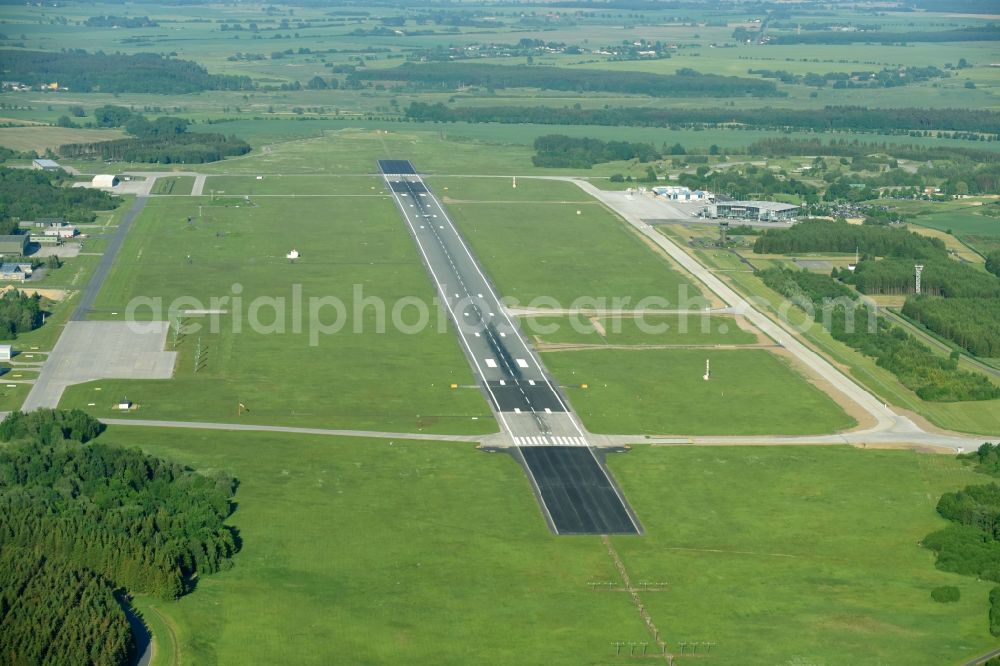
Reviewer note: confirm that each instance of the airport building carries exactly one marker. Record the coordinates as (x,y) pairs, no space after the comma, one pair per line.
(679,193)
(45,165)
(13,244)
(760,211)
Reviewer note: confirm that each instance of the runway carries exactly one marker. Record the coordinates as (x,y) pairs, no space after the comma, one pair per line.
(575,490)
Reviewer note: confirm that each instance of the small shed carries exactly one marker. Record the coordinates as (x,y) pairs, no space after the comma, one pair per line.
(104,180)
(124,404)
(6,353)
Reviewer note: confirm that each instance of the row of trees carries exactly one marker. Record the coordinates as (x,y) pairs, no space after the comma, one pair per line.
(557,150)
(941,277)
(118,72)
(846,118)
(685,83)
(931,377)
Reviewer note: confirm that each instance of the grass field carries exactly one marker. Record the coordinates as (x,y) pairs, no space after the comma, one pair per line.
(176,185)
(357,378)
(661,392)
(978,417)
(651,330)
(358,551)
(538,243)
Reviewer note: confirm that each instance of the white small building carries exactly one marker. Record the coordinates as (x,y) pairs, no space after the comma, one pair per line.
(45,165)
(6,353)
(104,180)
(681,193)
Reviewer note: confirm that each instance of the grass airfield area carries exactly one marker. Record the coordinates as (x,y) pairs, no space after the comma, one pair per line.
(358,377)
(662,392)
(776,554)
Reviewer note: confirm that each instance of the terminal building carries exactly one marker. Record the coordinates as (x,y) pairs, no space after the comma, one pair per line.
(759,211)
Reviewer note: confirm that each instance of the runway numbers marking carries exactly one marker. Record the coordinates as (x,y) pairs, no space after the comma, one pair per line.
(490,363)
(521,363)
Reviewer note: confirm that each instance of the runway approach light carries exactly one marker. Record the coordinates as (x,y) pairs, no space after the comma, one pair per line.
(583,386)
(454,386)
(579,212)
(293,255)
(708,371)
(515,182)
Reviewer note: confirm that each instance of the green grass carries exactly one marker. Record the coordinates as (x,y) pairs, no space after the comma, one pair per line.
(542,249)
(176,185)
(662,392)
(39,139)
(358,551)
(651,330)
(977,417)
(356,378)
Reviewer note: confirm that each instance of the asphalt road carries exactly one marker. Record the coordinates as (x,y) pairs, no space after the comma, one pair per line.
(528,406)
(89,293)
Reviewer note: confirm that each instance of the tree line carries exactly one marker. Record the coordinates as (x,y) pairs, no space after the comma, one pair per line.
(848,118)
(104,516)
(29,194)
(834,306)
(685,83)
(941,276)
(81,71)
(557,150)
(970,545)
(164,140)
(986,33)
(841,236)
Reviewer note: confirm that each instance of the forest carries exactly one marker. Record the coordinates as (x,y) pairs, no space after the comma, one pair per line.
(841,236)
(164,140)
(557,150)
(847,118)
(685,83)
(29,194)
(114,73)
(941,276)
(19,313)
(930,376)
(971,544)
(82,519)
(971,323)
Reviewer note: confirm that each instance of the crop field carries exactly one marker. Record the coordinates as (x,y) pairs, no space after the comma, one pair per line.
(551,251)
(662,392)
(286,365)
(772,553)
(40,139)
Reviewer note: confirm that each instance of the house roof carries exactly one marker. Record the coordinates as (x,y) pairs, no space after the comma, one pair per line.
(11,268)
(13,238)
(46,163)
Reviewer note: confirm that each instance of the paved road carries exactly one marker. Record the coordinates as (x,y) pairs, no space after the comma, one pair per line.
(890,428)
(527,404)
(253,427)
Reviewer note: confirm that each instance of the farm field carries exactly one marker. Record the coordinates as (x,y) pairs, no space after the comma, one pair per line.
(662,392)
(456,528)
(284,374)
(40,139)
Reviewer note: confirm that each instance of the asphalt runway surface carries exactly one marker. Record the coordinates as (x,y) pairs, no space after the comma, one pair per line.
(528,405)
